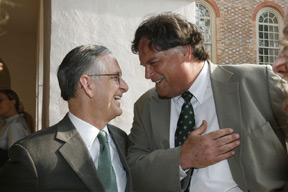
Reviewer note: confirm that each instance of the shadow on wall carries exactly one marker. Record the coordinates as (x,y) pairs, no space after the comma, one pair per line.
(5,82)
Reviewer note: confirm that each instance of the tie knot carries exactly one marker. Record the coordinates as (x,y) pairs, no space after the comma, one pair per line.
(187,96)
(102,136)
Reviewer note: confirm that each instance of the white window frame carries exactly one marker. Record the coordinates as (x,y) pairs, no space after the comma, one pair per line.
(280,28)
(213,55)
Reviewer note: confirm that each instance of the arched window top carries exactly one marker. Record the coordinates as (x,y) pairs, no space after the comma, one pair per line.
(268,5)
(269,15)
(205,9)
(202,11)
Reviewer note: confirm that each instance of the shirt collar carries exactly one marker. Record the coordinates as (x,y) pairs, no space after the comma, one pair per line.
(87,131)
(200,84)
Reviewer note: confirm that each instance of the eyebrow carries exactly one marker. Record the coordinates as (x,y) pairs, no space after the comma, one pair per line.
(149,61)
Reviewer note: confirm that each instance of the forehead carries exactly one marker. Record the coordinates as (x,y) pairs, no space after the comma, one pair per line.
(2,95)
(110,62)
(143,46)
(145,53)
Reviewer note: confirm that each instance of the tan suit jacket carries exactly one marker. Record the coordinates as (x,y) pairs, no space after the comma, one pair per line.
(57,159)
(249,99)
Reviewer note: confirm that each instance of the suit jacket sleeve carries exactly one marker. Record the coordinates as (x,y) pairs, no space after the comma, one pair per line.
(20,172)
(154,167)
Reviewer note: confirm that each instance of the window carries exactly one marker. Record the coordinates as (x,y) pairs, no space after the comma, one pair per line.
(269,27)
(205,20)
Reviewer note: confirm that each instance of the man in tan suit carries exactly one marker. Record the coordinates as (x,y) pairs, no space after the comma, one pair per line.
(65,157)
(237,142)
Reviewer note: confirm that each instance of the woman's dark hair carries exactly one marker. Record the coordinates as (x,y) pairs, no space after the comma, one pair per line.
(11,95)
(169,30)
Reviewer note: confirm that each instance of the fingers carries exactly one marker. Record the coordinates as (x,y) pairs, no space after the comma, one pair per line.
(220,133)
(201,150)
(227,148)
(225,156)
(227,139)
(200,130)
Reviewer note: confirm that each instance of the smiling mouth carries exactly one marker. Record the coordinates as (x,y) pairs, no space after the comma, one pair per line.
(117,98)
(159,81)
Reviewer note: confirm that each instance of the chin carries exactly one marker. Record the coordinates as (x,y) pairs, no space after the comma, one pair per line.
(118,112)
(164,94)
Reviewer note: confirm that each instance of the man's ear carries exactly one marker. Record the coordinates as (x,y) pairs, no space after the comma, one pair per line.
(85,82)
(187,52)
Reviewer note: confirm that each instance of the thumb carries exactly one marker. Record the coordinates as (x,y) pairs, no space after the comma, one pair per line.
(200,130)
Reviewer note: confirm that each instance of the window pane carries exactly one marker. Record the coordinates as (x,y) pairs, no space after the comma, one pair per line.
(261,59)
(261,51)
(276,36)
(271,44)
(260,27)
(268,38)
(261,19)
(261,43)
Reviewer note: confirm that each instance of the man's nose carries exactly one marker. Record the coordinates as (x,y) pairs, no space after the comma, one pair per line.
(123,85)
(148,72)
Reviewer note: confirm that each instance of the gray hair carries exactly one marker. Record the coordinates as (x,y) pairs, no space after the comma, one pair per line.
(81,60)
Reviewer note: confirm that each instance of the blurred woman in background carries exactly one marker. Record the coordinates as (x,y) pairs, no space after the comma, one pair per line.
(280,65)
(15,126)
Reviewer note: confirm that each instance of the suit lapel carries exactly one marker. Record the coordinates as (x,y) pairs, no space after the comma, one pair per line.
(160,119)
(75,152)
(228,109)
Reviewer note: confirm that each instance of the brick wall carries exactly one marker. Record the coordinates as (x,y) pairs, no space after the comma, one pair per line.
(236,29)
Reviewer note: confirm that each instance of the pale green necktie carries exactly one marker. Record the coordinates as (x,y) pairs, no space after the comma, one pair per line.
(105,169)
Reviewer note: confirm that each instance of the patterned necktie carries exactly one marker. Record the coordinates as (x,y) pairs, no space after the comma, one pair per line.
(105,169)
(186,121)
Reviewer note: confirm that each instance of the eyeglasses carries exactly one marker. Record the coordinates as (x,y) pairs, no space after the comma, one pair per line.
(117,76)
(1,99)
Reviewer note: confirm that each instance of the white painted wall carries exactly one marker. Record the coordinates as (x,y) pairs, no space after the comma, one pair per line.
(111,23)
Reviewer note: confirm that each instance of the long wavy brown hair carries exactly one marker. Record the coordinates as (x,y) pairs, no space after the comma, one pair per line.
(284,43)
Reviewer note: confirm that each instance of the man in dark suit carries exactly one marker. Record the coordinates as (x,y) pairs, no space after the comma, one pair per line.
(239,144)
(66,156)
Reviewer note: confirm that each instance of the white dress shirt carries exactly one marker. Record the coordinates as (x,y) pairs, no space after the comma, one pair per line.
(217,177)
(89,134)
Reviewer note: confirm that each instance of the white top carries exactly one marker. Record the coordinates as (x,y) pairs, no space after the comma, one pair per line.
(217,177)
(89,134)
(14,129)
